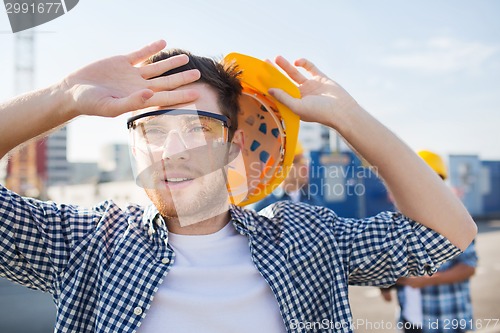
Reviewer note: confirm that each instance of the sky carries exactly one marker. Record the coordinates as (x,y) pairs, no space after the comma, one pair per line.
(429,70)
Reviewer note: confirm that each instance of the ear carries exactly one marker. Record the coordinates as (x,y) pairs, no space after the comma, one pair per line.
(239,138)
(237,144)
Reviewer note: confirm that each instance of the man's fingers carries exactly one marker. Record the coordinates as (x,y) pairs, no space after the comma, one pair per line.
(145,98)
(173,81)
(135,101)
(167,98)
(142,54)
(162,66)
(291,70)
(309,66)
(289,101)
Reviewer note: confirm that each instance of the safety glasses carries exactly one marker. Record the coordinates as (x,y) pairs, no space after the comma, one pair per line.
(154,130)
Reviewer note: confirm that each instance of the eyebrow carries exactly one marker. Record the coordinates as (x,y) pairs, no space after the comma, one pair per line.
(222,118)
(187,119)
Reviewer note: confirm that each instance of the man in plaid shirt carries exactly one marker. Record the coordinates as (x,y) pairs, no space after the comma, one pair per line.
(445,297)
(285,270)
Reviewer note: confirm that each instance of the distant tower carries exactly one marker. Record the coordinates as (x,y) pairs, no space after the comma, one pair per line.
(40,162)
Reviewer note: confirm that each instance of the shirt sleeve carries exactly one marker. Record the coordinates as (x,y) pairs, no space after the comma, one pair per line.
(380,249)
(36,238)
(469,256)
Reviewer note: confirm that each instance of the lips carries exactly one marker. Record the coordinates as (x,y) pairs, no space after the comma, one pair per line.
(176,181)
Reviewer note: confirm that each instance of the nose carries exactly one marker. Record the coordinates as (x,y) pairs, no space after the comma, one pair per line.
(175,147)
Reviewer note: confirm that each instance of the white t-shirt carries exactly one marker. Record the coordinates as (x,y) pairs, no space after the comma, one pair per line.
(412,309)
(213,287)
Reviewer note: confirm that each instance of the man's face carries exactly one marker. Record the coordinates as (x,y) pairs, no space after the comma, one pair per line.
(182,160)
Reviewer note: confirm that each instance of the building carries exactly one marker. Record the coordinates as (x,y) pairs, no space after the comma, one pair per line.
(39,164)
(317,137)
(114,163)
(27,170)
(345,185)
(84,173)
(313,136)
(58,170)
(477,183)
(491,194)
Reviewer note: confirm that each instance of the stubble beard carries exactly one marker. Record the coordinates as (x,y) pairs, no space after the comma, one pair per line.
(210,199)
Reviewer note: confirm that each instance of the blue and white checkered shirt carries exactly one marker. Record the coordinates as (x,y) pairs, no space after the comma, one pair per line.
(103,265)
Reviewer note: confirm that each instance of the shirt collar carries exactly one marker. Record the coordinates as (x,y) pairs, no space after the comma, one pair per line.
(244,220)
(150,215)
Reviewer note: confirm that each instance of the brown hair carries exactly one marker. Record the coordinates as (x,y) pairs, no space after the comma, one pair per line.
(223,78)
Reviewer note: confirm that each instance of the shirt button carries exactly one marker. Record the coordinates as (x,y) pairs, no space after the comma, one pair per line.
(138,311)
(165,261)
(251,228)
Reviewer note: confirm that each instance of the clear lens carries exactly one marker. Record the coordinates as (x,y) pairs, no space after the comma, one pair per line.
(157,132)
(160,139)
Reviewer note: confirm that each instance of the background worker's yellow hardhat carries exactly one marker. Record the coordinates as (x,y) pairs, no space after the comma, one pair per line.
(435,162)
(270,129)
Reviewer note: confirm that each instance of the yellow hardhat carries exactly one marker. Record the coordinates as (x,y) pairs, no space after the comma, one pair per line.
(434,161)
(270,129)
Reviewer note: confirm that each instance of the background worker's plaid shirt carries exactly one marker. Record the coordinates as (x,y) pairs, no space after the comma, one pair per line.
(104,265)
(447,307)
